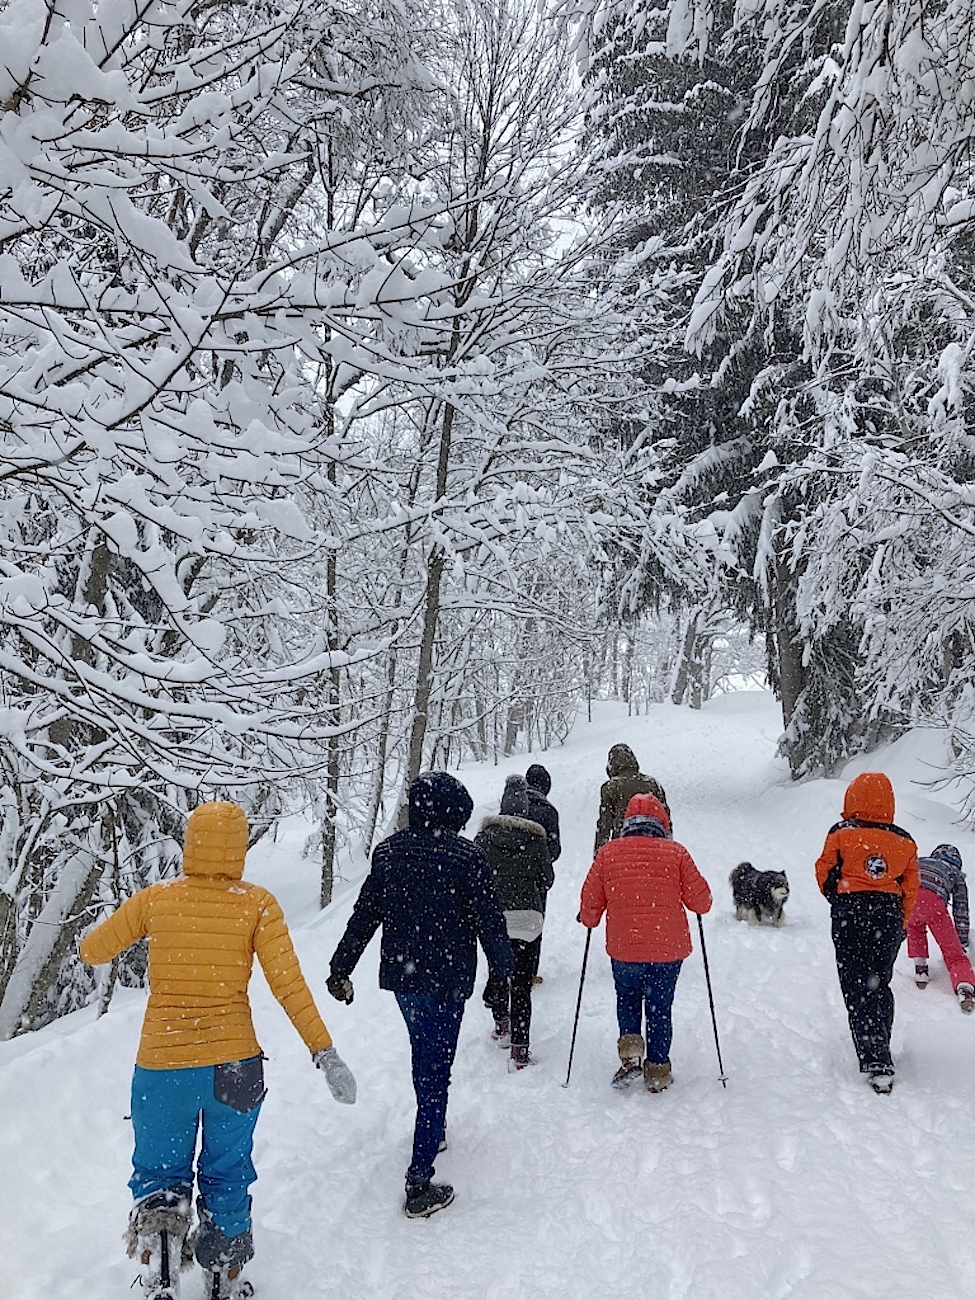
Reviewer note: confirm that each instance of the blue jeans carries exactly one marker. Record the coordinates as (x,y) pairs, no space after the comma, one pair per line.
(649,984)
(434,1025)
(167,1107)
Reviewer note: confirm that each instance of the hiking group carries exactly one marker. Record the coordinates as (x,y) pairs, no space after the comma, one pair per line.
(436,895)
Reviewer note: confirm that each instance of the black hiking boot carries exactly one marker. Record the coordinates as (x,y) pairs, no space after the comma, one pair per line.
(424,1199)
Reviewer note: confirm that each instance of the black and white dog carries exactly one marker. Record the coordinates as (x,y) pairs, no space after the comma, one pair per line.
(759,895)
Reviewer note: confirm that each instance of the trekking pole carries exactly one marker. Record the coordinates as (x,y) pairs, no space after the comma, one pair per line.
(714,1021)
(575,1026)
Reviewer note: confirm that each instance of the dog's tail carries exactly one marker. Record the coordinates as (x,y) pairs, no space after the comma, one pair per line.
(742,866)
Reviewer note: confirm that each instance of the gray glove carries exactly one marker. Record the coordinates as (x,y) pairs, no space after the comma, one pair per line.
(338,1076)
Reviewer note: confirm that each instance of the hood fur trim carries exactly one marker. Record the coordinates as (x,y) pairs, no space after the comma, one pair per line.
(514,823)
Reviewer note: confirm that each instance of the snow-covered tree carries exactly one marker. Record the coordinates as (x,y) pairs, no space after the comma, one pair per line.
(166,295)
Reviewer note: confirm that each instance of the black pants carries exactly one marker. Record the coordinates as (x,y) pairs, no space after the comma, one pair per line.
(867,932)
(514,1001)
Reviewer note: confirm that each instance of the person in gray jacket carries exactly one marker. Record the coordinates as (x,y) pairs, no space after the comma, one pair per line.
(517,849)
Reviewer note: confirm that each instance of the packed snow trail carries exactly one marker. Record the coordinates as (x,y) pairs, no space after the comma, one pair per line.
(795,1181)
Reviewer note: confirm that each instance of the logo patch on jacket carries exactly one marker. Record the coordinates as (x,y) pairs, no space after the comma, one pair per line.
(875,867)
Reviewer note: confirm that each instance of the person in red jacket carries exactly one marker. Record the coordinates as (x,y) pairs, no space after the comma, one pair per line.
(868,871)
(644,882)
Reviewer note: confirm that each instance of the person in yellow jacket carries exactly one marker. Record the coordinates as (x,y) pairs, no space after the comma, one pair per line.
(199,1058)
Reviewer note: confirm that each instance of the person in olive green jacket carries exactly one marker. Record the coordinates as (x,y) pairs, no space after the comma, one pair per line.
(199,1064)
(625,780)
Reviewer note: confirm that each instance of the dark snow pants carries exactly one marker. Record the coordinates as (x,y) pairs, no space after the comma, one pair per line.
(434,1025)
(514,1002)
(650,986)
(867,932)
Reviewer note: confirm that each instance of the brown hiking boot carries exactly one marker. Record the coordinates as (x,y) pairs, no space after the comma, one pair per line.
(657,1077)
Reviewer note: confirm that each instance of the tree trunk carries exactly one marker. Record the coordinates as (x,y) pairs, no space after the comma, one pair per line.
(683,673)
(332,761)
(49,941)
(788,651)
(424,679)
(426,664)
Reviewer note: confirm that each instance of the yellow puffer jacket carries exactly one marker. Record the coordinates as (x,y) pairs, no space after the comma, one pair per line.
(204,929)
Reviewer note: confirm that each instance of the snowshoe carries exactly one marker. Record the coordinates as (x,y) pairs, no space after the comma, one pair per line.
(520,1058)
(219,1285)
(501,1033)
(966,998)
(921,976)
(630,1049)
(630,1071)
(157,1235)
(657,1077)
(424,1199)
(222,1258)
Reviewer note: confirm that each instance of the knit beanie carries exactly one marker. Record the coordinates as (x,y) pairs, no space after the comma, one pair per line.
(538,778)
(514,801)
(438,801)
(948,853)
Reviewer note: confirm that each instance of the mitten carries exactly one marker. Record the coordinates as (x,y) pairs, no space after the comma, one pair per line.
(338,1076)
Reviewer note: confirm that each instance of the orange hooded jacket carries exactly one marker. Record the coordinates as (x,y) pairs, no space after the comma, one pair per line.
(204,928)
(866,852)
(644,884)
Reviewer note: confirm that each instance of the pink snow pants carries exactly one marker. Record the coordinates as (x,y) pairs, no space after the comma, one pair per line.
(931,914)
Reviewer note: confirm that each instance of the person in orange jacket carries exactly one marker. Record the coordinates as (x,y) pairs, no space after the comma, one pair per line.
(868,870)
(644,882)
(198,1056)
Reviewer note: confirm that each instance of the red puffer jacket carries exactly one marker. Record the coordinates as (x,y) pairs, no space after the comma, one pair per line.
(644,884)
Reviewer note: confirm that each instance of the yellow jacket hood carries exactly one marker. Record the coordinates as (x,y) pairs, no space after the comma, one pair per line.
(216,841)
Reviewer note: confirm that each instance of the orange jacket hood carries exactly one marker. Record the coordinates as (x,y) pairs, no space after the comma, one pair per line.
(216,841)
(648,805)
(870,797)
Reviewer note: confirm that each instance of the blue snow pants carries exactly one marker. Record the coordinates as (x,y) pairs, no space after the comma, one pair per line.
(434,1025)
(649,984)
(167,1109)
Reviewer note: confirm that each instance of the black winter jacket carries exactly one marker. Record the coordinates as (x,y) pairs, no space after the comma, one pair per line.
(431,891)
(541,811)
(517,850)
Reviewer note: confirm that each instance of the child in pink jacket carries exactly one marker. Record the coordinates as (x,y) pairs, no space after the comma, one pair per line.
(943,882)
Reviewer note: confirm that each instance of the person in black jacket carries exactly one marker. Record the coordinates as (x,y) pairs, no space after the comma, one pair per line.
(517,849)
(540,810)
(431,891)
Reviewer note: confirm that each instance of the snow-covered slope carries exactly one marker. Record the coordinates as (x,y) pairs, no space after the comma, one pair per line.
(794,1181)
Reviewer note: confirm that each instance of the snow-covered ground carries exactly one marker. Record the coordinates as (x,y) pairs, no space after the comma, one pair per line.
(794,1181)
